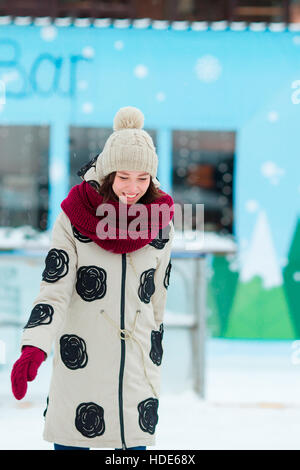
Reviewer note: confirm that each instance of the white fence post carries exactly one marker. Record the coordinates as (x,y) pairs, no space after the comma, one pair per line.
(197,326)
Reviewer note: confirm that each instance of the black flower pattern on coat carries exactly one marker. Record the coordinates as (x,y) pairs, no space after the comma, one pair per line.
(46,409)
(87,166)
(147,286)
(156,352)
(162,238)
(148,416)
(73,352)
(167,275)
(41,314)
(91,283)
(57,265)
(79,236)
(89,419)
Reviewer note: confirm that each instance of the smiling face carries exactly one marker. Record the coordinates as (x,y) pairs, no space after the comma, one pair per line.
(130,186)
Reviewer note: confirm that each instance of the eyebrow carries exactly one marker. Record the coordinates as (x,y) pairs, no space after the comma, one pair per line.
(125,173)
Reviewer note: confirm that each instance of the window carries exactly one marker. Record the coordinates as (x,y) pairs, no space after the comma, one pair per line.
(295,11)
(264,10)
(24,176)
(86,143)
(233,10)
(203,174)
(204,10)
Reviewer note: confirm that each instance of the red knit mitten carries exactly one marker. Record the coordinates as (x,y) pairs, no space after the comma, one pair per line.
(25,369)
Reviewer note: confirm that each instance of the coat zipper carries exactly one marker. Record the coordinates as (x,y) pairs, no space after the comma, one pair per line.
(121,374)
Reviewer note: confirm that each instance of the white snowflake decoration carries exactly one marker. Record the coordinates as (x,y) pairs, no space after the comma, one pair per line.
(48,33)
(82,85)
(208,68)
(273,116)
(160,96)
(296,276)
(119,45)
(272,172)
(87,108)
(88,52)
(141,71)
(252,205)
(296,40)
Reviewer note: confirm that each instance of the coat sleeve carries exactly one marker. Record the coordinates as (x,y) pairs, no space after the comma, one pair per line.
(58,281)
(162,279)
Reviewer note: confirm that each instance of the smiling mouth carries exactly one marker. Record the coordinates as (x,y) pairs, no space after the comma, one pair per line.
(129,196)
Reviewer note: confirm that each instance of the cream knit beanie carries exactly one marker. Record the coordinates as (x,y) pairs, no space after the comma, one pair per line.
(129,147)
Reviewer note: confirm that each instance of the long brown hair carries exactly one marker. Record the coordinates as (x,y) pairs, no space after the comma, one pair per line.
(108,193)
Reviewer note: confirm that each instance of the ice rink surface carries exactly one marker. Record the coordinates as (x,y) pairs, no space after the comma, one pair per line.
(252,401)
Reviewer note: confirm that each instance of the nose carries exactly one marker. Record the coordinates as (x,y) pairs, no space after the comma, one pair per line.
(132,188)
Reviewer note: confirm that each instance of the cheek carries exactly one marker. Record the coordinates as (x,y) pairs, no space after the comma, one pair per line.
(145,186)
(116,187)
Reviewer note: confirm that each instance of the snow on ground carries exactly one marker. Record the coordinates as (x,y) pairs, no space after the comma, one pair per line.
(252,401)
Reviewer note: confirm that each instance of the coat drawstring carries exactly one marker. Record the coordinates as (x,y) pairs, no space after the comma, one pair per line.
(130,335)
(132,264)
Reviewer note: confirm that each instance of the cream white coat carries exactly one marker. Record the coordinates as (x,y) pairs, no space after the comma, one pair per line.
(103,313)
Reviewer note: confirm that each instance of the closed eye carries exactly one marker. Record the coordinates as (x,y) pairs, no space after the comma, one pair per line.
(124,178)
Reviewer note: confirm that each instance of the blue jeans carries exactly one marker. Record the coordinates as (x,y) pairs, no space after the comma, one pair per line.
(60,447)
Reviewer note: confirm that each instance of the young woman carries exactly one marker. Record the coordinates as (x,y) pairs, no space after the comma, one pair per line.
(101,300)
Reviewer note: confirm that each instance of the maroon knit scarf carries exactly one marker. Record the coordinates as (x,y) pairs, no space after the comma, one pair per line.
(81,205)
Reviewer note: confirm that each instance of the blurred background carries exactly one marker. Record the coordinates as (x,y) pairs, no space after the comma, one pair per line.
(219,85)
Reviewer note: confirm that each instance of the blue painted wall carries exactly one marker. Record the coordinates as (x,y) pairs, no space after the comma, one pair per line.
(194,80)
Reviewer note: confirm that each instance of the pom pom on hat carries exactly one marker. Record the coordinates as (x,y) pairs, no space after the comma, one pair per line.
(132,150)
(128,118)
